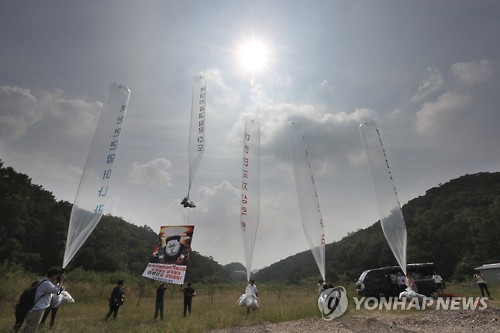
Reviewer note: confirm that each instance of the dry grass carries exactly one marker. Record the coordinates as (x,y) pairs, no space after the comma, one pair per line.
(278,303)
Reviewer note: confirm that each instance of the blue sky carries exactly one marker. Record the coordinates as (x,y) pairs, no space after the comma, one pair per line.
(426,71)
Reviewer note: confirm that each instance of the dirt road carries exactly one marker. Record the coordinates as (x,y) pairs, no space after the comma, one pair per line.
(458,321)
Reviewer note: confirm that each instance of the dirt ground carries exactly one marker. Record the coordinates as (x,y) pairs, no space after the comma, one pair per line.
(457,321)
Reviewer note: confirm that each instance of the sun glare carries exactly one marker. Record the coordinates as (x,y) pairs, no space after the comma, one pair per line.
(253,56)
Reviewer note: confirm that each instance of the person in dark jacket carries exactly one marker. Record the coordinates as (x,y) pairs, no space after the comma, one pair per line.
(160,293)
(188,297)
(116,299)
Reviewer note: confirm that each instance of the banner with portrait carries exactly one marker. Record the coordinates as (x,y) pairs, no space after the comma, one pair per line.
(170,254)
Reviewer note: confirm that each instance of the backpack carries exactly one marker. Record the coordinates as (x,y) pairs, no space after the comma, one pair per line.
(27,299)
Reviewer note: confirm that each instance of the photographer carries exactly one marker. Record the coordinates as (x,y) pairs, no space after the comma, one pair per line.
(48,286)
(481,282)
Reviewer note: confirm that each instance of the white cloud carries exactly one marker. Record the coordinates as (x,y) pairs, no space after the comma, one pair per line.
(433,115)
(432,83)
(18,111)
(217,231)
(52,112)
(274,116)
(321,89)
(221,94)
(474,72)
(216,218)
(155,173)
(358,116)
(71,117)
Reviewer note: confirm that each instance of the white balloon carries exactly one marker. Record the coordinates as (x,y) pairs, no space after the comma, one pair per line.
(250,190)
(196,146)
(391,216)
(310,212)
(90,198)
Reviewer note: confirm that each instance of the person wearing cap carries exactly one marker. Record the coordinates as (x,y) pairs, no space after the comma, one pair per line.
(43,296)
(116,299)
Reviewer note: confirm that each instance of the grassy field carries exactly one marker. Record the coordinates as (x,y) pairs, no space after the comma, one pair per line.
(220,310)
(213,306)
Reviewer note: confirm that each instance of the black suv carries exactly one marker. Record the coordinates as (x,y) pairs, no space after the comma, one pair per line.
(381,282)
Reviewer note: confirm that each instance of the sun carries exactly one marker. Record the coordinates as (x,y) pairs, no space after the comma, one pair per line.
(253,56)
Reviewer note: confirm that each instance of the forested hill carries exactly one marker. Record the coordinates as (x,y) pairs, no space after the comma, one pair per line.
(455,225)
(33,229)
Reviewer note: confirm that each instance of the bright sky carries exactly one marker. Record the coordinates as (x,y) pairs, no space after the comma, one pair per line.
(426,71)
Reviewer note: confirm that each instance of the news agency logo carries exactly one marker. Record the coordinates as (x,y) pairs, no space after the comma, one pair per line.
(333,302)
(421,303)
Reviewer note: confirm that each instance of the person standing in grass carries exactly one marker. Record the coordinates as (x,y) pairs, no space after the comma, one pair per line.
(252,288)
(43,295)
(56,302)
(188,297)
(438,281)
(481,282)
(116,299)
(410,283)
(160,292)
(252,294)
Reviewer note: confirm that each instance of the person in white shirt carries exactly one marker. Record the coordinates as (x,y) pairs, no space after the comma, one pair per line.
(43,296)
(252,295)
(400,279)
(252,288)
(438,281)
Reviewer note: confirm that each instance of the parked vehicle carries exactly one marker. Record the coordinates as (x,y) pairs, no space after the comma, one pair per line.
(381,282)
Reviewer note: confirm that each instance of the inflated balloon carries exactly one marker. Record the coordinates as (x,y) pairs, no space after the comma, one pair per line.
(250,190)
(196,145)
(60,299)
(90,198)
(310,213)
(249,301)
(391,216)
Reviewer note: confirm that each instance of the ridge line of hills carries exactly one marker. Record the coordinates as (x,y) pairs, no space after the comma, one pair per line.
(456,225)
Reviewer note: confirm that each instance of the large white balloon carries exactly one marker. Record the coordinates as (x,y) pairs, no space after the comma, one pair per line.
(196,146)
(250,190)
(391,216)
(310,213)
(90,198)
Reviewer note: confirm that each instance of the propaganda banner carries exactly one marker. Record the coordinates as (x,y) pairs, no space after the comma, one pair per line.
(170,254)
